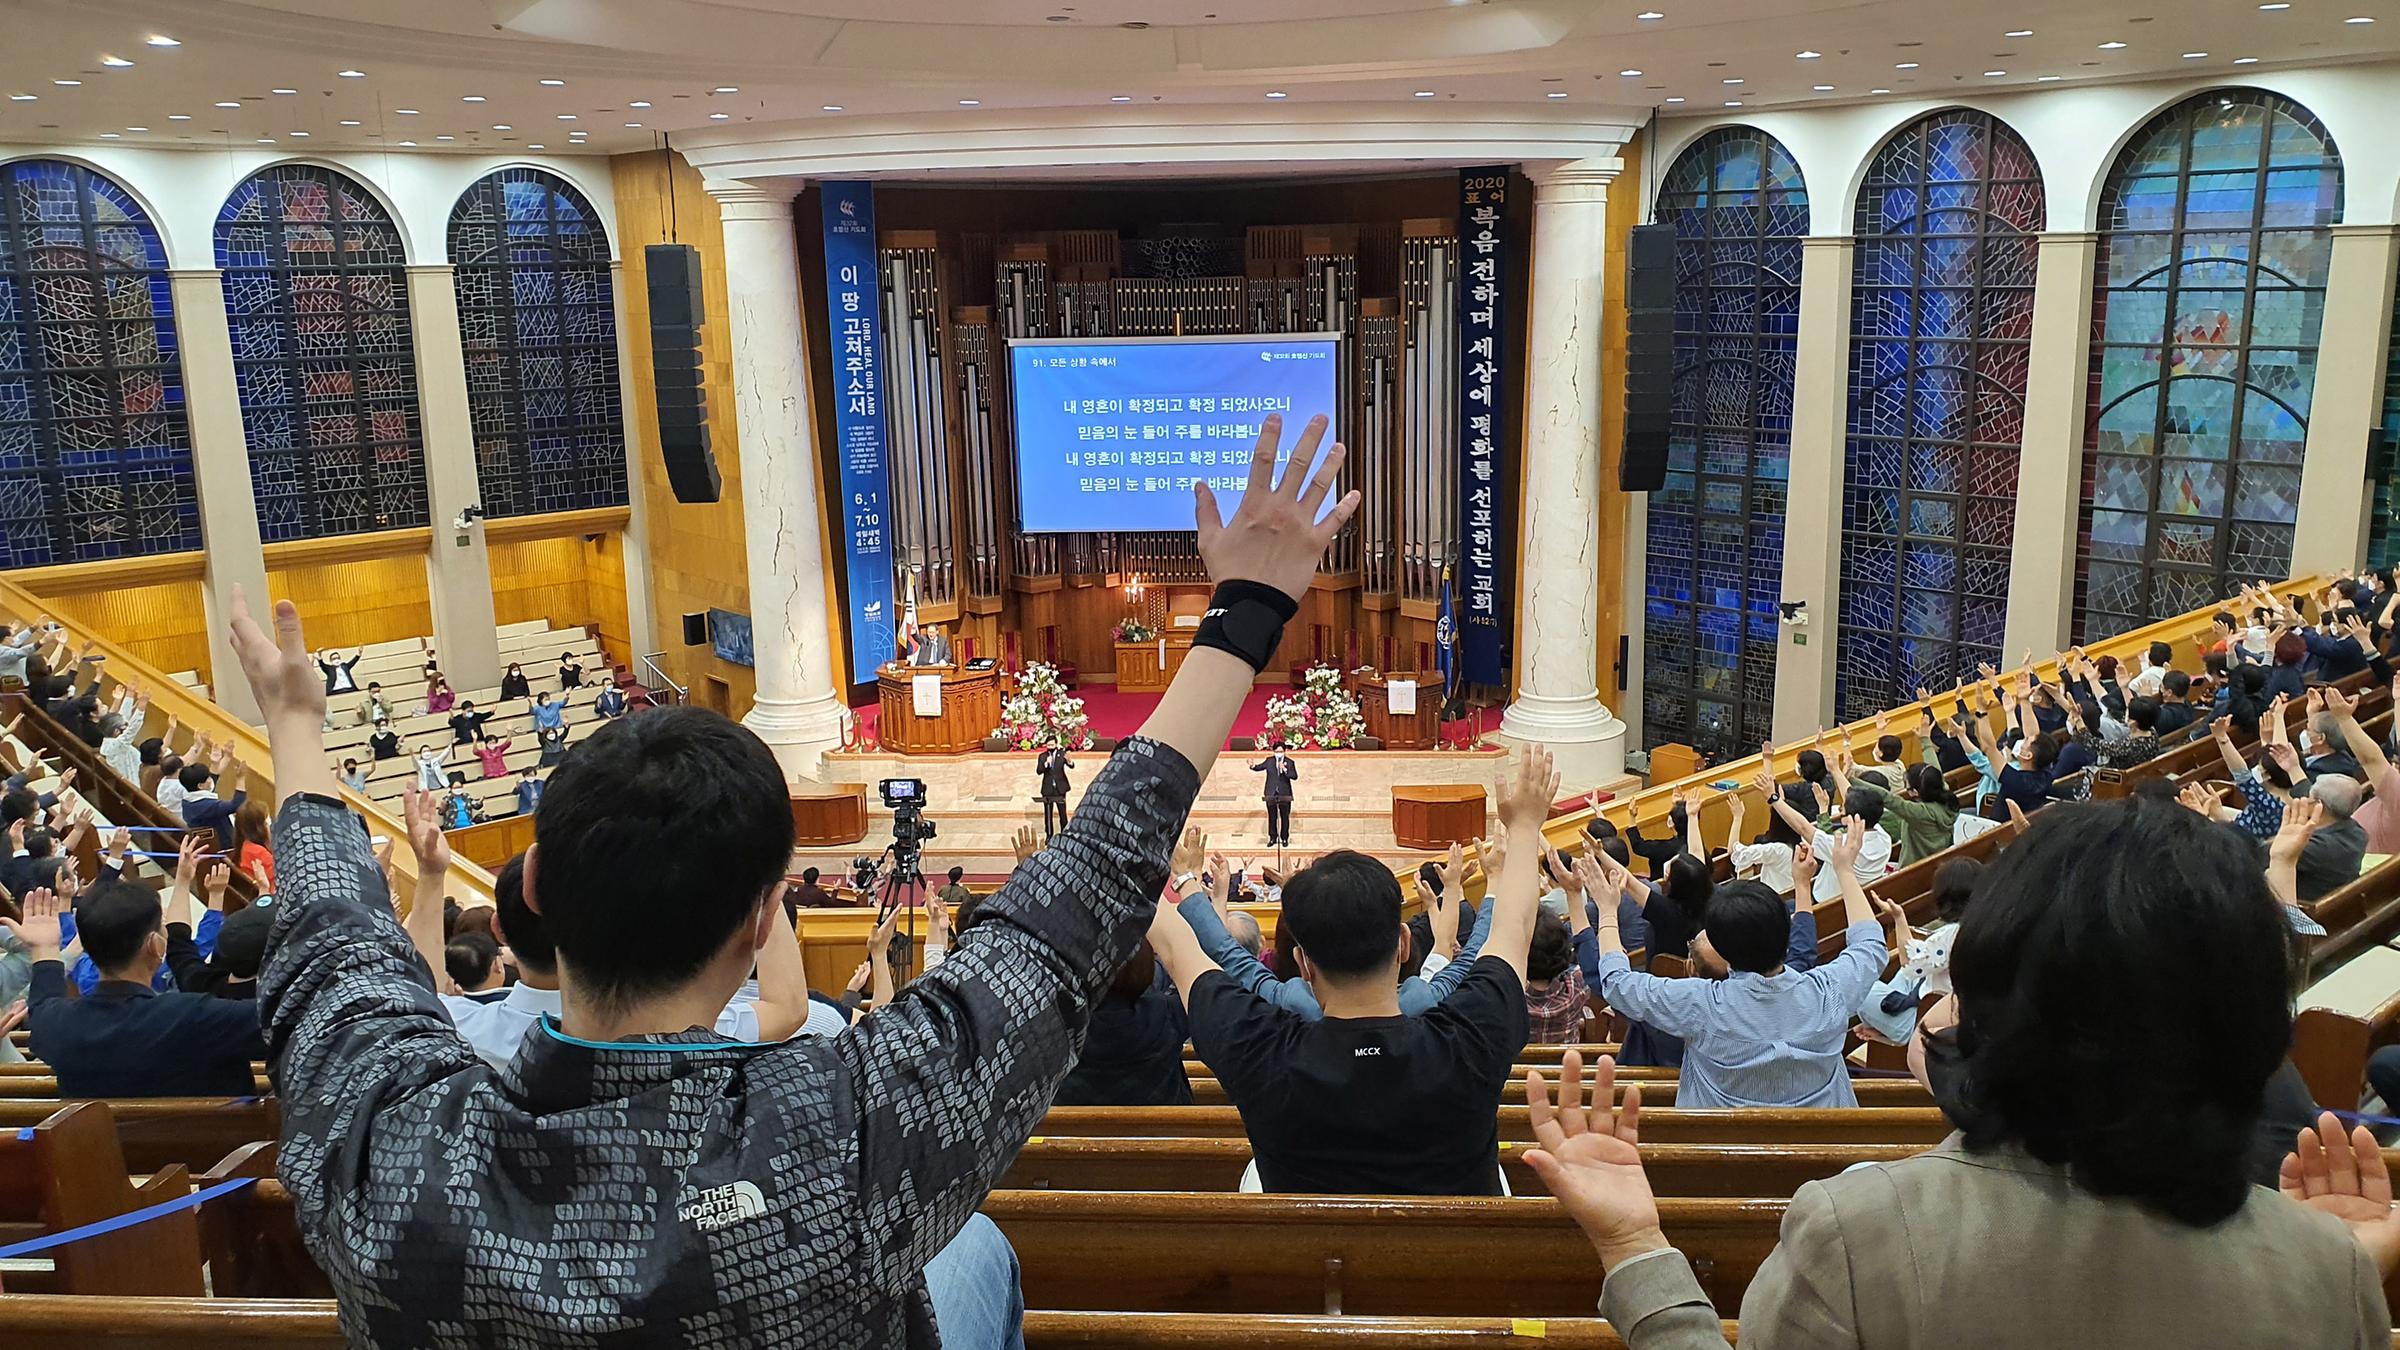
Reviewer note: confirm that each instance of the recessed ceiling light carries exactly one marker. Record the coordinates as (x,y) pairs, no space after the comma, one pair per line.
(970,103)
(472,98)
(1275,93)
(228,103)
(633,126)
(445,138)
(283,91)
(110,136)
(1879,91)
(161,40)
(1733,103)
(554,83)
(639,103)
(405,112)
(301,134)
(1807,56)
(1422,93)
(179,117)
(23,98)
(537,147)
(502,126)
(2245,60)
(117,61)
(2280,4)
(1993,74)
(68,84)
(2111,46)
(410,144)
(2018,32)
(832,107)
(1735,80)
(1904,65)
(1824,88)
(1629,72)
(2358,18)
(1648,14)
(137,128)
(566,117)
(1556,93)
(2195,56)
(266,140)
(719,117)
(349,121)
(725,89)
(351,74)
(2046,79)
(1677,99)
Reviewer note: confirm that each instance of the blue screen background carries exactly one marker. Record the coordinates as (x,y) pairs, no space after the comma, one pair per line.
(1111,435)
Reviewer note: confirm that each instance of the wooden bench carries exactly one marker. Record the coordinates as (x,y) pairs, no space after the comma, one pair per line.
(66,1170)
(1664,1125)
(156,1133)
(1658,1089)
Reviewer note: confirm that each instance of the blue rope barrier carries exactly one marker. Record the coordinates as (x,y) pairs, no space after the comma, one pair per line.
(122,1221)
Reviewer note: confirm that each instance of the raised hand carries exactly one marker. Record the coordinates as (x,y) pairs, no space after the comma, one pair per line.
(2200,799)
(38,929)
(2302,818)
(2344,1175)
(1028,841)
(1525,792)
(1452,867)
(1275,537)
(1804,868)
(937,922)
(1895,921)
(220,876)
(1591,1162)
(1764,779)
(858,977)
(425,837)
(187,859)
(287,684)
(1853,838)
(1191,851)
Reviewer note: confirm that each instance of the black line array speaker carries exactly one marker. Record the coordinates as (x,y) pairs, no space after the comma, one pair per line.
(695,629)
(1649,357)
(677,312)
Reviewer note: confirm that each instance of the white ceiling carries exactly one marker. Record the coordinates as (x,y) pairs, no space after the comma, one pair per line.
(780,63)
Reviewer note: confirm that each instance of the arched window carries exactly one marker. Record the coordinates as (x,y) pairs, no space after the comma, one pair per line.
(2215,240)
(1941,323)
(95,456)
(538,317)
(317,294)
(1739,210)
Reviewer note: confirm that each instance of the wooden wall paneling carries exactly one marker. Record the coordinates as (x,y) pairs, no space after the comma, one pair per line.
(697,558)
(162,622)
(355,602)
(541,579)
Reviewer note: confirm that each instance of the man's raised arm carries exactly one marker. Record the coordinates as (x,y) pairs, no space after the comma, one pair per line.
(955,1073)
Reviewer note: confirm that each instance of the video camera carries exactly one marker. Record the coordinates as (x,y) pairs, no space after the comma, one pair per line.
(910,828)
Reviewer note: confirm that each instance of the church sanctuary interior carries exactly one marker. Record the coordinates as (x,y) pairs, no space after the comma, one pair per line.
(993,673)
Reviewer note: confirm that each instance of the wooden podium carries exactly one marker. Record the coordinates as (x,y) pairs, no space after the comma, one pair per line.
(970,709)
(835,813)
(1152,665)
(1420,730)
(1438,815)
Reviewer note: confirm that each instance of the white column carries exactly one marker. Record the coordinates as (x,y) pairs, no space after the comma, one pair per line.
(2335,496)
(640,627)
(458,570)
(2041,576)
(797,711)
(1812,522)
(1558,687)
(230,554)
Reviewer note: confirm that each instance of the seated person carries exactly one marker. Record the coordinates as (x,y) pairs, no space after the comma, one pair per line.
(466,725)
(1133,1054)
(1555,994)
(203,809)
(375,707)
(529,790)
(570,671)
(2338,848)
(1755,1032)
(125,1039)
(1361,1099)
(610,702)
(472,961)
(840,1166)
(227,966)
(2098,1198)
(1211,927)
(385,742)
(513,683)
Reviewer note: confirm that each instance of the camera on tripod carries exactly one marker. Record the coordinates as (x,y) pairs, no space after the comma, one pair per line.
(910,828)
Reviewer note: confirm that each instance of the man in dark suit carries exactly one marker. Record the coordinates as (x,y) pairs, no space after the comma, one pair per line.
(1053,766)
(1280,772)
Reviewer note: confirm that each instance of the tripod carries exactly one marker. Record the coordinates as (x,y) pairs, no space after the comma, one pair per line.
(891,888)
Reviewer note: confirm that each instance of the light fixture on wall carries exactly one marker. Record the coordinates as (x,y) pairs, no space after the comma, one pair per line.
(467,516)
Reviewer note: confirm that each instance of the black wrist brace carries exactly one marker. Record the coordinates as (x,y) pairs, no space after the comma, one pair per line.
(1246,619)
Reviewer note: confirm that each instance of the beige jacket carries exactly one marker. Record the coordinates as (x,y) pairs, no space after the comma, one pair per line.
(1953,1250)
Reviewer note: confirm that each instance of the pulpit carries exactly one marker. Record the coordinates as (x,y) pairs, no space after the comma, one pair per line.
(1152,664)
(936,710)
(1437,815)
(829,814)
(1419,728)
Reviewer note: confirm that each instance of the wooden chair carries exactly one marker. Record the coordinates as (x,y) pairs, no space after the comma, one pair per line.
(156,1133)
(67,1171)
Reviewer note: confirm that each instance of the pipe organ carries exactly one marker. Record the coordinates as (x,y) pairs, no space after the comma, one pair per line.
(953,300)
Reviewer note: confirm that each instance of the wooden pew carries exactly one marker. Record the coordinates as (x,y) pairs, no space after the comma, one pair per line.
(1658,1089)
(1348,1254)
(45,1084)
(1664,1125)
(66,1171)
(1773,1171)
(156,1133)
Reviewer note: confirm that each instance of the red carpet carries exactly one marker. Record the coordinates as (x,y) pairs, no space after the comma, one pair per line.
(1119,715)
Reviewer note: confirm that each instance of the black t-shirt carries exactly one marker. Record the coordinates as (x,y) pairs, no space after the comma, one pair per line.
(1133,1054)
(1369,1106)
(385,744)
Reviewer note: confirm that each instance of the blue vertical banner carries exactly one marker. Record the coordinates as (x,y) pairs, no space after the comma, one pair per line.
(853,297)
(1483,384)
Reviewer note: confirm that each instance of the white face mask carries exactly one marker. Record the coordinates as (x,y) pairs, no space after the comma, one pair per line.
(2307,742)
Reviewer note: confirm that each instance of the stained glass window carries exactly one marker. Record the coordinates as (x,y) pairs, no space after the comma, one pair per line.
(1739,210)
(1941,321)
(95,455)
(317,295)
(2383,522)
(537,313)
(2215,240)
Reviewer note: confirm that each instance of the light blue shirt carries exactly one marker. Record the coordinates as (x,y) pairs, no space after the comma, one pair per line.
(495,1028)
(1416,995)
(14,653)
(1757,1040)
(546,715)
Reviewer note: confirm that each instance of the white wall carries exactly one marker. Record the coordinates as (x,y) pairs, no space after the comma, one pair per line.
(184,189)
(2075,133)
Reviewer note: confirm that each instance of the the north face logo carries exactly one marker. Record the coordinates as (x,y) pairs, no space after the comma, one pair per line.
(720,1206)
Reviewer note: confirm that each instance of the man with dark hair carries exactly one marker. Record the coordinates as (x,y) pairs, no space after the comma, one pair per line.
(1757,1033)
(466,725)
(808,894)
(124,1039)
(1364,1099)
(747,1193)
(1868,862)
(1281,773)
(203,809)
(955,893)
(1052,765)
(472,961)
(2138,746)
(2175,707)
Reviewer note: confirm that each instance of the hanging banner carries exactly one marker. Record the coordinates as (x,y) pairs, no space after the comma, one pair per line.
(1482,395)
(853,300)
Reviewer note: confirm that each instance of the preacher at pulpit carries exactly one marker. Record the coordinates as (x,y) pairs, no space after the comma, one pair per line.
(933,649)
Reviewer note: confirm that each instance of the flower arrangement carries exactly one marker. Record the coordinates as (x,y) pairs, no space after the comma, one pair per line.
(1321,716)
(1131,629)
(1042,715)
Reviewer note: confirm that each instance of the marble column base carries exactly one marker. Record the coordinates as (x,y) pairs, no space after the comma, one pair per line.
(1583,737)
(800,732)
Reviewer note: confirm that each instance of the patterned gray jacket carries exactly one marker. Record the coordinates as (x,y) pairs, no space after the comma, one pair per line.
(678,1190)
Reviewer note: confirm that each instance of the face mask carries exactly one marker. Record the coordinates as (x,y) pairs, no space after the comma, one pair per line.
(2307,742)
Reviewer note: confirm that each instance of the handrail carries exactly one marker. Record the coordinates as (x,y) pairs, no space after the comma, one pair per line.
(469,884)
(682,693)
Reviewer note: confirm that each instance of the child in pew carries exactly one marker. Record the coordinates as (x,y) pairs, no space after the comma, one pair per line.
(1364,1100)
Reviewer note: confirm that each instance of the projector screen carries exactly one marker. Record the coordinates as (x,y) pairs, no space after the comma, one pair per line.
(1111,432)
